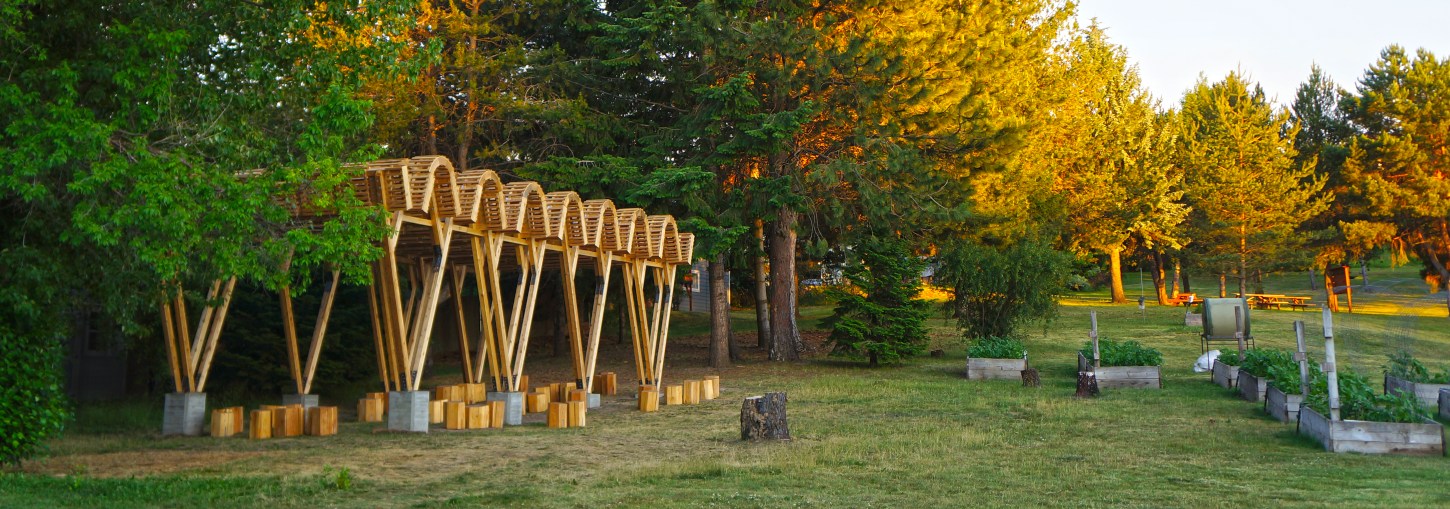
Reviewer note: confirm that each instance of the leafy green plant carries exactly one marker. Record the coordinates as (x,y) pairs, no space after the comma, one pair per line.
(1230,358)
(33,406)
(338,479)
(997,348)
(1358,401)
(1285,376)
(1126,353)
(1257,361)
(884,322)
(997,289)
(1404,365)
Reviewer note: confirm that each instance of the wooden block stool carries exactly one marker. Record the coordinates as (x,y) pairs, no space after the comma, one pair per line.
(455,415)
(536,402)
(523,383)
(261,425)
(238,414)
(692,392)
(322,421)
(441,393)
(558,415)
(649,399)
(675,395)
(478,417)
(714,383)
(369,410)
(606,384)
(222,423)
(578,395)
(576,413)
(437,410)
(382,397)
(287,421)
(496,413)
(476,393)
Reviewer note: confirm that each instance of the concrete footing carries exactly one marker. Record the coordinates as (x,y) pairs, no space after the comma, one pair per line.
(408,411)
(306,400)
(594,401)
(513,406)
(184,414)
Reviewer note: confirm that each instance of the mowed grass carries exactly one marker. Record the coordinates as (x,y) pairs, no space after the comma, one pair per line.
(912,435)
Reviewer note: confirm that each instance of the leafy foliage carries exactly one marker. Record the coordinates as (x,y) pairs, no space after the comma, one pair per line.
(997,347)
(1405,366)
(885,322)
(1259,361)
(34,405)
(1285,376)
(1358,401)
(1230,358)
(998,289)
(1124,353)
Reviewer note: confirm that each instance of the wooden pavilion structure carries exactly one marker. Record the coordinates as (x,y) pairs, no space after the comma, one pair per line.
(451,228)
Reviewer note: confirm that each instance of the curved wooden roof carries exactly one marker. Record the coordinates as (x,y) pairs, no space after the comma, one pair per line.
(428,187)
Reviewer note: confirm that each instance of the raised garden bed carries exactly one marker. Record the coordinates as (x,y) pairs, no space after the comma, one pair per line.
(995,369)
(1427,393)
(1225,375)
(1373,437)
(1251,388)
(1445,404)
(1116,377)
(1282,406)
(996,358)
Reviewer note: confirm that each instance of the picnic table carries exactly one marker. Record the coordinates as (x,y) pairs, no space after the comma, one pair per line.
(1276,301)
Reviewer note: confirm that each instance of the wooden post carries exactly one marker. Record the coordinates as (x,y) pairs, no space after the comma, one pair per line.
(1329,366)
(289,330)
(1301,355)
(319,331)
(1097,357)
(214,334)
(168,332)
(1239,327)
(261,427)
(459,274)
(179,307)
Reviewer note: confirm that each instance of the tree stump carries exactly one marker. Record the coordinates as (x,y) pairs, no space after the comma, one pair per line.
(1087,385)
(1030,378)
(938,353)
(763,418)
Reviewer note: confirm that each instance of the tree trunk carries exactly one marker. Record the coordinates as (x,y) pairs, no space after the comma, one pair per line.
(1222,285)
(763,418)
(1115,274)
(1312,284)
(1159,281)
(1363,275)
(1186,287)
(762,287)
(785,338)
(1177,278)
(719,315)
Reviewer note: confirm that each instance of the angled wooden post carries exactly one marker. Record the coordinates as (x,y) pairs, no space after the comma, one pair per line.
(423,326)
(460,272)
(168,332)
(289,330)
(536,250)
(603,265)
(319,331)
(215,332)
(568,265)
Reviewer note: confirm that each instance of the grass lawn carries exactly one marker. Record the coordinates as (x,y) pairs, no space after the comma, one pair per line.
(912,435)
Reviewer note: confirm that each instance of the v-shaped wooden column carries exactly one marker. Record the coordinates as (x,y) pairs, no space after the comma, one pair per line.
(191,360)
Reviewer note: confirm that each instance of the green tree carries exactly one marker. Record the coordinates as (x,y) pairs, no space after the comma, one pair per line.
(1322,142)
(999,288)
(1399,161)
(885,322)
(1249,196)
(1108,153)
(127,126)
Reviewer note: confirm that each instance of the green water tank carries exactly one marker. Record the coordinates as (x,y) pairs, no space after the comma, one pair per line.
(1218,317)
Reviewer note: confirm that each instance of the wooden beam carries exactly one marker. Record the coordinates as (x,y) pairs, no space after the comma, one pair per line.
(602,268)
(662,339)
(377,333)
(631,284)
(569,265)
(536,259)
(203,324)
(214,335)
(289,331)
(179,307)
(460,273)
(168,333)
(423,328)
(319,331)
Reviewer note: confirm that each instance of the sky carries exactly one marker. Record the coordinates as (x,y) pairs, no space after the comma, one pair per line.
(1273,42)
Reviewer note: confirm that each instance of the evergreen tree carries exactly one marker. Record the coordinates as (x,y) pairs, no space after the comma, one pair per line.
(1248,194)
(1399,160)
(884,322)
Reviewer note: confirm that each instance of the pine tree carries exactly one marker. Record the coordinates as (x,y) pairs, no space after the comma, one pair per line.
(884,322)
(1248,194)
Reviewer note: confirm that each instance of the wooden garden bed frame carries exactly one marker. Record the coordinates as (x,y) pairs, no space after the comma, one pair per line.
(447,225)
